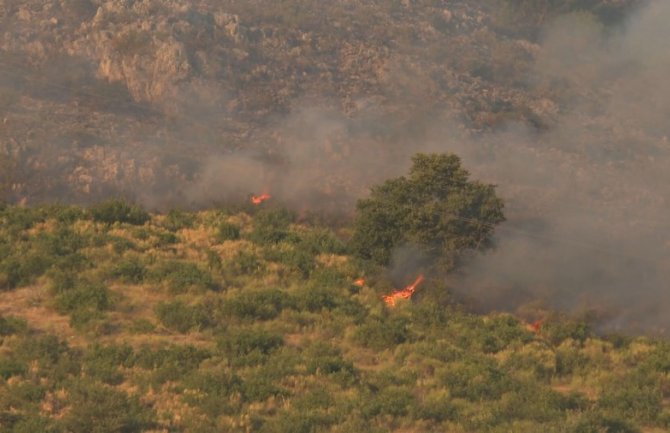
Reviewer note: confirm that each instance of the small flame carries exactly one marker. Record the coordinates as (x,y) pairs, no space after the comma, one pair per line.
(359,282)
(536,326)
(405,293)
(258,199)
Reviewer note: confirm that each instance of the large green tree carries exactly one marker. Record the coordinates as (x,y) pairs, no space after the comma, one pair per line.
(436,209)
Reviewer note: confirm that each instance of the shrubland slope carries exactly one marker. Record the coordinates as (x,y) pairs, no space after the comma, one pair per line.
(116,320)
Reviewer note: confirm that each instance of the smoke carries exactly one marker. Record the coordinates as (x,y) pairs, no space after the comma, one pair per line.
(587,199)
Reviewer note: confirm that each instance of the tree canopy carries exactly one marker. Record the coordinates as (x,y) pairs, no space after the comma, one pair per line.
(437,208)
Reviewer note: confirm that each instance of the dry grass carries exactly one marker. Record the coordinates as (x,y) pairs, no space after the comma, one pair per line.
(31,304)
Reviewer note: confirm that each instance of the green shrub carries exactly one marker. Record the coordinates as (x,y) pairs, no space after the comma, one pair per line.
(263,304)
(16,219)
(227,232)
(294,259)
(176,220)
(560,329)
(243,342)
(271,226)
(164,239)
(113,211)
(24,269)
(382,332)
(120,244)
(245,263)
(182,276)
(476,380)
(141,326)
(169,363)
(97,408)
(260,387)
(34,423)
(53,356)
(392,400)
(85,301)
(323,359)
(436,407)
(635,396)
(11,367)
(103,362)
(182,318)
(129,270)
(12,325)
(214,390)
(598,423)
(65,214)
(321,241)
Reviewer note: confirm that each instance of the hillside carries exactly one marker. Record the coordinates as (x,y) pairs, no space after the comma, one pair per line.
(193,310)
(138,97)
(240,320)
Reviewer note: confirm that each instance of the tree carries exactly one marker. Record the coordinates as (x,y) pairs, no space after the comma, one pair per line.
(436,209)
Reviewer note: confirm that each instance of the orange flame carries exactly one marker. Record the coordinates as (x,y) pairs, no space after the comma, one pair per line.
(405,293)
(359,282)
(536,326)
(258,199)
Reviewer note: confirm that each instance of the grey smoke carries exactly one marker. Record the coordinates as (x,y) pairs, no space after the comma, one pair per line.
(588,200)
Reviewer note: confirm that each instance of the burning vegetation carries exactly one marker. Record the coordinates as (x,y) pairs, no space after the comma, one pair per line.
(405,293)
(258,199)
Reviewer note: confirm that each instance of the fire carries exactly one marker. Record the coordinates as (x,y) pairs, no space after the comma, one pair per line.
(536,326)
(405,293)
(258,199)
(359,282)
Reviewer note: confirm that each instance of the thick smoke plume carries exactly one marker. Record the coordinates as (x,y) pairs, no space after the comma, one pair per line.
(588,199)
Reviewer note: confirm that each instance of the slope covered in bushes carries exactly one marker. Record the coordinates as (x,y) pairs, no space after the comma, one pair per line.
(248,320)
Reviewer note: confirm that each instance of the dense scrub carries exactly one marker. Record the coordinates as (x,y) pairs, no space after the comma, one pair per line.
(217,321)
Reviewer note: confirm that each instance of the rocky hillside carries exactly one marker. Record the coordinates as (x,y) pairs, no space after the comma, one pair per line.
(132,97)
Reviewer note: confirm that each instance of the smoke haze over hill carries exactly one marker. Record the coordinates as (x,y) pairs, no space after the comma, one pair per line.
(572,128)
(588,198)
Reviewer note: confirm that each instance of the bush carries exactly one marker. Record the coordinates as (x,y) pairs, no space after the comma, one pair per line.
(12,325)
(382,332)
(272,226)
(129,270)
(323,359)
(182,276)
(228,232)
(97,408)
(436,407)
(182,318)
(176,220)
(245,263)
(24,269)
(260,387)
(242,342)
(214,390)
(103,362)
(597,423)
(52,356)
(635,396)
(169,363)
(321,241)
(85,301)
(257,304)
(476,380)
(296,260)
(11,367)
(392,400)
(113,211)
